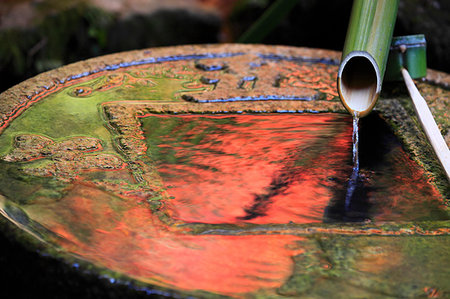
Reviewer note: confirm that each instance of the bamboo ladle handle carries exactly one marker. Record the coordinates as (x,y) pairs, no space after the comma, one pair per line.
(428,123)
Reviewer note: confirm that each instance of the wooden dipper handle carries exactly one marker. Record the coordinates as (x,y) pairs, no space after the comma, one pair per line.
(428,123)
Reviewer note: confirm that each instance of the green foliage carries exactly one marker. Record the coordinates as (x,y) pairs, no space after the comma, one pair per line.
(268,21)
(62,34)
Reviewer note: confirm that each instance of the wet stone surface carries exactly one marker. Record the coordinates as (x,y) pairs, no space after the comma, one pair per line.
(222,171)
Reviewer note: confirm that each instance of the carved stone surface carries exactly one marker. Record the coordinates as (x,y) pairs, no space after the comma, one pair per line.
(220,171)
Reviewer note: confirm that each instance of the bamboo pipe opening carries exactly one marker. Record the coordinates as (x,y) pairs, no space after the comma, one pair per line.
(359,83)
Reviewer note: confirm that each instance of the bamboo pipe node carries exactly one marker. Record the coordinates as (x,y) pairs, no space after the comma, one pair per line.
(359,82)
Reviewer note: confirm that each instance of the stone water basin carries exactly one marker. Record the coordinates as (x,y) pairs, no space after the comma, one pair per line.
(211,171)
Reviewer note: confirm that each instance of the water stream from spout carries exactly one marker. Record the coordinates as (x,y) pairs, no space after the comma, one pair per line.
(355,173)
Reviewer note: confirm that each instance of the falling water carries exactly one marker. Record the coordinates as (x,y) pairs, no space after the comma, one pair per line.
(355,173)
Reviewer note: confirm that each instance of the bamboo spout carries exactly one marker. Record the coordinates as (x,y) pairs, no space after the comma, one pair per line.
(359,83)
(365,54)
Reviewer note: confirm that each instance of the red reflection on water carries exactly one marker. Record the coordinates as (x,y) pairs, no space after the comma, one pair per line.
(253,168)
(247,168)
(402,192)
(125,237)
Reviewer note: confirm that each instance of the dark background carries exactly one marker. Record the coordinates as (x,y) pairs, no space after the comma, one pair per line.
(39,35)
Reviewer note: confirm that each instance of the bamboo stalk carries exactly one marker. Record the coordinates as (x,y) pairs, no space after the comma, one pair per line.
(428,124)
(365,54)
(407,52)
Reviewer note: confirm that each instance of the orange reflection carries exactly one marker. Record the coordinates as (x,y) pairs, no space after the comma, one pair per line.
(258,169)
(125,237)
(250,168)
